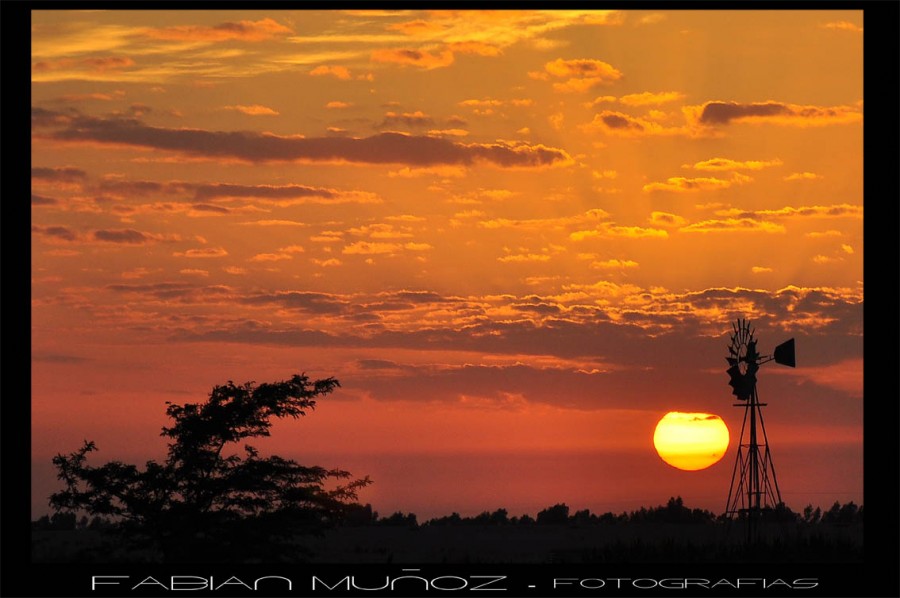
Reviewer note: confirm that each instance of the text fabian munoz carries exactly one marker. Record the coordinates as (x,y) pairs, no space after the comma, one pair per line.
(414,580)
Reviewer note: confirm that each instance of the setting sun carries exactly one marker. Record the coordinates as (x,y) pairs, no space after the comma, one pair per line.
(691,441)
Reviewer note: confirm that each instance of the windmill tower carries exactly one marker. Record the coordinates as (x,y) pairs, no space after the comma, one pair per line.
(754,486)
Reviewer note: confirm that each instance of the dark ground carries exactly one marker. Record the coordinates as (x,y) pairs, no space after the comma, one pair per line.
(560,543)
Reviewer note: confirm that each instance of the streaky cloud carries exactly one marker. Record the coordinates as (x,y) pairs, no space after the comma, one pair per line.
(383,148)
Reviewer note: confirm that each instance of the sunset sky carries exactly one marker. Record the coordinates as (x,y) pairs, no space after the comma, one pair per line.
(516,238)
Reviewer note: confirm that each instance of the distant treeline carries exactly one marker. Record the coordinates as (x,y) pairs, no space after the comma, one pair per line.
(674,511)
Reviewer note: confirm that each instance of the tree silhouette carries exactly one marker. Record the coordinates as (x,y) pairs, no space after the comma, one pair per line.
(206,502)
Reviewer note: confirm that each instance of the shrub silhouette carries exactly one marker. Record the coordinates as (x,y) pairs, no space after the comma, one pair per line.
(206,502)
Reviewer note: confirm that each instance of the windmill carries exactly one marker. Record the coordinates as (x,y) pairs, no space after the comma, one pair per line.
(754,486)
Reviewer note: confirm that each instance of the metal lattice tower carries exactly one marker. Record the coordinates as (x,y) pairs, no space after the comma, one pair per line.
(754,485)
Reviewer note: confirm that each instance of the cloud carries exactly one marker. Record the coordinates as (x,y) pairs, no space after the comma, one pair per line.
(40,200)
(381,231)
(204,252)
(271,222)
(102,97)
(725,113)
(115,236)
(91,65)
(606,231)
(733,225)
(652,19)
(606,328)
(249,31)
(824,234)
(311,302)
(174,292)
(384,148)
(379,248)
(419,27)
(624,125)
(476,48)
(803,176)
(406,119)
(482,103)
(448,133)
(736,220)
(412,57)
(685,185)
(666,219)
(55,233)
(127,236)
(720,164)
(122,189)
(210,209)
(833,211)
(524,257)
(339,72)
(846,375)
(614,264)
(537,224)
(650,98)
(843,26)
(224,190)
(271,257)
(67,174)
(418,297)
(579,74)
(254,110)
(328,263)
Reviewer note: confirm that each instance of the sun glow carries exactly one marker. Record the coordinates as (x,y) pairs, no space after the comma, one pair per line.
(691,441)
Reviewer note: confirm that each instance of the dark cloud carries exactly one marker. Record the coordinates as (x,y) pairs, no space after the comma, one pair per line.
(40,200)
(55,232)
(135,187)
(203,207)
(653,388)
(319,303)
(419,296)
(173,291)
(540,308)
(384,148)
(41,117)
(617,120)
(128,236)
(672,331)
(67,174)
(263,191)
(386,306)
(720,113)
(59,358)
(405,119)
(683,370)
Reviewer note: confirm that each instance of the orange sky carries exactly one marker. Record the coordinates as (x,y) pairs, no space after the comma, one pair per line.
(517,238)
